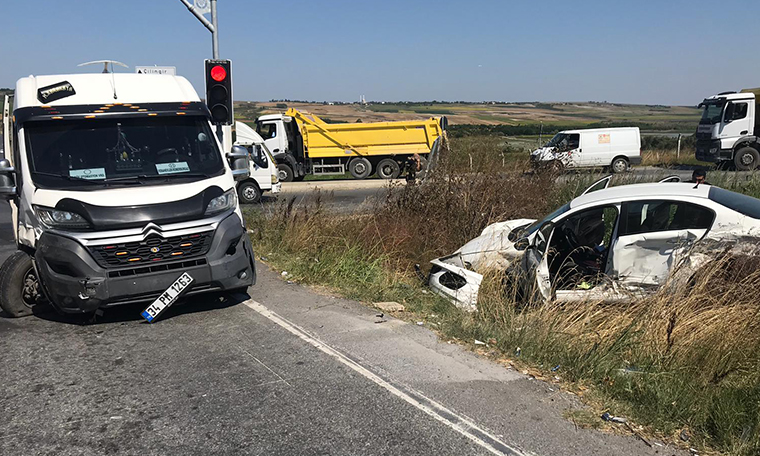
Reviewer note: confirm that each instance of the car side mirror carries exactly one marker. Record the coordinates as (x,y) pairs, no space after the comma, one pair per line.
(238,159)
(522,244)
(7,180)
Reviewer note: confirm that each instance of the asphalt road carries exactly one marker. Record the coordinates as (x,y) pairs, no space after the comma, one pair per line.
(285,370)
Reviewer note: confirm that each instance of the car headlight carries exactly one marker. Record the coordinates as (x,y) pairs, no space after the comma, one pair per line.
(222,203)
(55,218)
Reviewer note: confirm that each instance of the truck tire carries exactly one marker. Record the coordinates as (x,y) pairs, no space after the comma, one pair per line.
(285,173)
(619,165)
(19,287)
(249,192)
(746,159)
(360,168)
(388,169)
(299,178)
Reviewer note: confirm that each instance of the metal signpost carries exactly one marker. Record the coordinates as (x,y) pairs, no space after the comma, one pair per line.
(200,8)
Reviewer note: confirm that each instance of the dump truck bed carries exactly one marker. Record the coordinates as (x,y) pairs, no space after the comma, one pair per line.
(323,140)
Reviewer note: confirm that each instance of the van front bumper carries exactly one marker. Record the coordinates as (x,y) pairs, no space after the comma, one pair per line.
(75,283)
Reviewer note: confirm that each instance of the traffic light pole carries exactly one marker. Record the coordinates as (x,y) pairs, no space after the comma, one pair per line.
(212,26)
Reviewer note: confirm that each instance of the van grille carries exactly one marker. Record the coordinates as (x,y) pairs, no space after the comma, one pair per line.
(154,249)
(160,267)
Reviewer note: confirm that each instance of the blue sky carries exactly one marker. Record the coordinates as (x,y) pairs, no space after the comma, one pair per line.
(674,52)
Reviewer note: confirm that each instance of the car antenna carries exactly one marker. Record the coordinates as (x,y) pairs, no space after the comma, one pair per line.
(105,70)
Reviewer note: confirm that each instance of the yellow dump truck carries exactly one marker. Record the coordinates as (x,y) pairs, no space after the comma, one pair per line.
(304,144)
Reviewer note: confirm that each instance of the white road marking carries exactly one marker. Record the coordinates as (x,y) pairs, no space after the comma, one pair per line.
(437,411)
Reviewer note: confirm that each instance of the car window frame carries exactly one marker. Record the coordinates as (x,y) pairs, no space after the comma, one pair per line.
(623,225)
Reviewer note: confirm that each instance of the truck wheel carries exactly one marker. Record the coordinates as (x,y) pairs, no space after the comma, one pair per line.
(249,192)
(285,173)
(19,287)
(360,168)
(746,159)
(299,178)
(619,165)
(388,169)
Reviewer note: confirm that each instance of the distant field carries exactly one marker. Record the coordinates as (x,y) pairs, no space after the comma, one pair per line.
(648,117)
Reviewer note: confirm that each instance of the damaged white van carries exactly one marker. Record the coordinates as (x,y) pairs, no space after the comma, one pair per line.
(613,148)
(605,245)
(118,187)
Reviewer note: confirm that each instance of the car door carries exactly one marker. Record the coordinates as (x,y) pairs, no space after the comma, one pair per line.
(534,280)
(650,233)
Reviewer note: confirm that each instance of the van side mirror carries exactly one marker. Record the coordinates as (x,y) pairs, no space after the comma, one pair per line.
(238,159)
(7,180)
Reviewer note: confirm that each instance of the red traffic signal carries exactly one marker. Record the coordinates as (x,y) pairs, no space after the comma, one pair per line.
(219,91)
(218,73)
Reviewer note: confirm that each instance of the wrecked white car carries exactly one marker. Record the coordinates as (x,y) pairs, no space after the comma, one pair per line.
(608,244)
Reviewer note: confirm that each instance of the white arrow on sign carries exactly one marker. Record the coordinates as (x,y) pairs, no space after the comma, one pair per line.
(156,70)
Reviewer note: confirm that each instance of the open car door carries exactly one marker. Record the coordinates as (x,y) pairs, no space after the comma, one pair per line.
(601,184)
(535,281)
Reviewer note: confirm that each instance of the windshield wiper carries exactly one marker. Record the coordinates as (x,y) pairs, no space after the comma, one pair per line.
(70,178)
(140,177)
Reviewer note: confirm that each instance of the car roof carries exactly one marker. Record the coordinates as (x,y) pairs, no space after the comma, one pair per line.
(98,88)
(665,190)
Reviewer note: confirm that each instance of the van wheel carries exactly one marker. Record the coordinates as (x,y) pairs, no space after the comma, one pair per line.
(19,287)
(249,192)
(619,165)
(284,173)
(360,168)
(746,159)
(388,169)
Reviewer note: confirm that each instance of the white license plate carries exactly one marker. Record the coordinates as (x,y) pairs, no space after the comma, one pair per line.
(168,297)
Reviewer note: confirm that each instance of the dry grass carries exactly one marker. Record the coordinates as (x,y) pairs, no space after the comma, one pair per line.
(686,357)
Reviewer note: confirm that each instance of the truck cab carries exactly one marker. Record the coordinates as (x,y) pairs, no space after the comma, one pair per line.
(118,186)
(282,136)
(263,167)
(727,131)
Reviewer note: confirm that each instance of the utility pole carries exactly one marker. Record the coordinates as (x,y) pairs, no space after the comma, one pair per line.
(212,26)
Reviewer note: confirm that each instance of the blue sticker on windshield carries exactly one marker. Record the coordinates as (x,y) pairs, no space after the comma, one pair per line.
(89,173)
(171,168)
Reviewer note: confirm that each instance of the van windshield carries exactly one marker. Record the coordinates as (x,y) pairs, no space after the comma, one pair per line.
(114,151)
(558,138)
(712,111)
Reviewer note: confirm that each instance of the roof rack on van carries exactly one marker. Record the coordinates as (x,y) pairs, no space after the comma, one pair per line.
(727,93)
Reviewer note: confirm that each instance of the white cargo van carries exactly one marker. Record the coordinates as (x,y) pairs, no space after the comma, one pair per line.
(613,148)
(120,193)
(263,176)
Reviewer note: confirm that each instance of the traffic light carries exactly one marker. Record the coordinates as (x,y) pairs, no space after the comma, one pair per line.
(219,91)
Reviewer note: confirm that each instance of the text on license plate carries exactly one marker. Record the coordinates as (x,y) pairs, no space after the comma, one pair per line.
(168,297)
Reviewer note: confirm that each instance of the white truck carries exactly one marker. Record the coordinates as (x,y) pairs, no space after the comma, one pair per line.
(729,131)
(120,192)
(613,148)
(263,168)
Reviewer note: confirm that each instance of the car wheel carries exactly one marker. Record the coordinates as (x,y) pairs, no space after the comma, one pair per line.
(619,165)
(746,159)
(284,173)
(388,169)
(19,287)
(249,192)
(360,168)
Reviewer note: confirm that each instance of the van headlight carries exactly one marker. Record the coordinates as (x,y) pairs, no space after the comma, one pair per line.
(55,218)
(222,203)
(275,179)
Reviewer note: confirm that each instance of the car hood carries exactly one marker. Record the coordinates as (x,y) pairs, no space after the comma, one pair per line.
(492,249)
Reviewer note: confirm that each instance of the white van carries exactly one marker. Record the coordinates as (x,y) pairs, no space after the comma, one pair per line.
(263,167)
(616,148)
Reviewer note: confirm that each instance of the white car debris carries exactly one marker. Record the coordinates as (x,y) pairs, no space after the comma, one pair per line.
(609,244)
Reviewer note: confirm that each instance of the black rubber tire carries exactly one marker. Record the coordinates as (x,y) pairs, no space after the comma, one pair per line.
(388,169)
(285,173)
(619,165)
(19,287)
(249,192)
(360,168)
(746,159)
